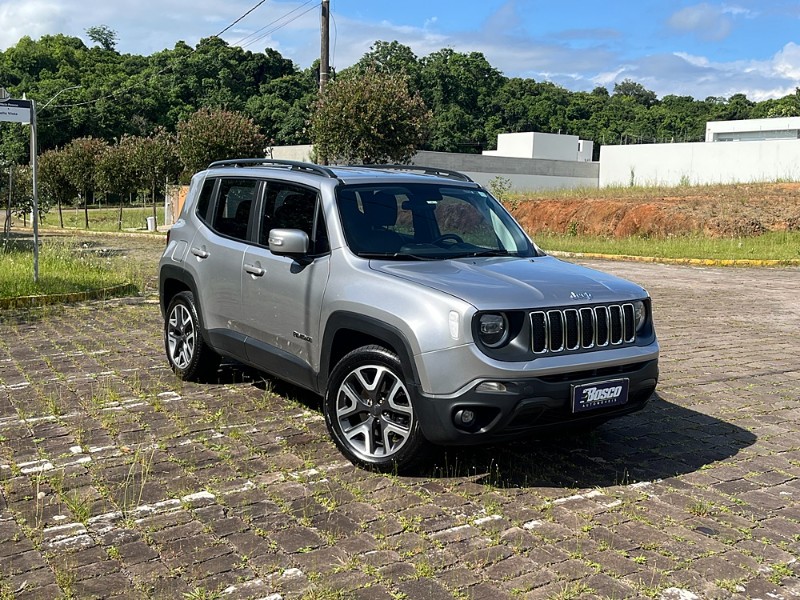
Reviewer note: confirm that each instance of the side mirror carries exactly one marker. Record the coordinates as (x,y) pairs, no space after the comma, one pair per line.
(288,242)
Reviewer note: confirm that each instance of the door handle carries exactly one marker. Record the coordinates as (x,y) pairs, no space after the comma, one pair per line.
(199,253)
(254,270)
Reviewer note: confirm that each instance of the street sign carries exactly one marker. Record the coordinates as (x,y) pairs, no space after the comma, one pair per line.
(15,111)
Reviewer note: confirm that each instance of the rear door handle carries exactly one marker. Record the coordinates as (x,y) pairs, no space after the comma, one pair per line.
(254,270)
(199,253)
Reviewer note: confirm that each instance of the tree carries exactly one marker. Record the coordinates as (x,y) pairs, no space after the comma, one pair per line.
(53,181)
(80,160)
(210,135)
(116,171)
(103,35)
(155,160)
(460,89)
(368,118)
(637,91)
(20,195)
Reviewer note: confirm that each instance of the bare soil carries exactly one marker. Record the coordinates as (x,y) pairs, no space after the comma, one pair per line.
(715,211)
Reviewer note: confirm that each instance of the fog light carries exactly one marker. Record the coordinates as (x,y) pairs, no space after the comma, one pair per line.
(465,417)
(491,387)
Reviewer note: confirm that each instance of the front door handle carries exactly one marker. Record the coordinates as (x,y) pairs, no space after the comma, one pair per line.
(200,253)
(254,270)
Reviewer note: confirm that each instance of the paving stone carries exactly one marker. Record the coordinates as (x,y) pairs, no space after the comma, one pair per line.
(700,486)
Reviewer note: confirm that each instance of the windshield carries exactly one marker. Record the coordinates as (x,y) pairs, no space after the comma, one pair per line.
(427,222)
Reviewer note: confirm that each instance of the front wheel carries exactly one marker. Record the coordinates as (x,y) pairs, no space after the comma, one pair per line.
(370,413)
(189,356)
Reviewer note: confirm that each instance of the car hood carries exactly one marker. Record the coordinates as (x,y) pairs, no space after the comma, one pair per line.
(514,283)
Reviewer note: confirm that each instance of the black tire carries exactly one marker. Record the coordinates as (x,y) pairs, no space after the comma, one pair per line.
(187,352)
(369,411)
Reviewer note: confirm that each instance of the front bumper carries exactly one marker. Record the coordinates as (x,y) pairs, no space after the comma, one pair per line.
(528,405)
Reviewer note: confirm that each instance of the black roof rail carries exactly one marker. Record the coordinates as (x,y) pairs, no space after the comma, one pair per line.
(427,170)
(293,165)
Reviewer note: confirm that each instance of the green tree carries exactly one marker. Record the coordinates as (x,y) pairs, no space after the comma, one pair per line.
(103,35)
(19,196)
(54,184)
(155,160)
(116,171)
(214,134)
(80,161)
(367,118)
(636,91)
(460,90)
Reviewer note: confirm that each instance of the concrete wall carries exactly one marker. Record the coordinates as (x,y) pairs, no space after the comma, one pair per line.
(300,153)
(699,163)
(524,173)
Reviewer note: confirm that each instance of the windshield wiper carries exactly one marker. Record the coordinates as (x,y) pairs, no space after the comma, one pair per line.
(397,256)
(483,252)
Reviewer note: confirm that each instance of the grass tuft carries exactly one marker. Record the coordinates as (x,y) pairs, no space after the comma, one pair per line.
(64,268)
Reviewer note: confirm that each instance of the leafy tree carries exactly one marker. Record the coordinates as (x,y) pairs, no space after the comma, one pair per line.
(210,135)
(103,35)
(368,118)
(460,90)
(16,188)
(636,91)
(155,160)
(80,160)
(54,185)
(116,171)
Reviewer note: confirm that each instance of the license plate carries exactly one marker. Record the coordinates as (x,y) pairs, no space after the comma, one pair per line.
(601,394)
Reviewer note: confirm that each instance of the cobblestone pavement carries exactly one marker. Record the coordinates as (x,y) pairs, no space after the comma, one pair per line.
(119,481)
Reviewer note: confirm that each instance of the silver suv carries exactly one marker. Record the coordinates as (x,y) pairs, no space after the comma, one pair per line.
(407,297)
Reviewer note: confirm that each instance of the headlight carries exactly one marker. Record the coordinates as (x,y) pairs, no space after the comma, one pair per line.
(639,314)
(493,329)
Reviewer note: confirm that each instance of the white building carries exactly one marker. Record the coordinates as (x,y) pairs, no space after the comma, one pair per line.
(753,130)
(545,146)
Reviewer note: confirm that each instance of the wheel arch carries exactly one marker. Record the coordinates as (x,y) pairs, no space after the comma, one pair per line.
(346,331)
(172,281)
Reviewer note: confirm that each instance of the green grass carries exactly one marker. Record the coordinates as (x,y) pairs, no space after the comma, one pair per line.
(782,246)
(103,219)
(63,269)
(649,193)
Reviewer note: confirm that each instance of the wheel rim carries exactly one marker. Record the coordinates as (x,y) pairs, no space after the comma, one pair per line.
(374,412)
(181,336)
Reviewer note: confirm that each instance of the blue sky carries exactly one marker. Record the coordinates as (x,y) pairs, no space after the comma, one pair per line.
(679,47)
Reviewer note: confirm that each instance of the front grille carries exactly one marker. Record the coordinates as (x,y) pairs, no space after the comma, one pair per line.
(572,329)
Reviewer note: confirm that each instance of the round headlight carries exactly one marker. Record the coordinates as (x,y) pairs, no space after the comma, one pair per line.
(639,314)
(493,329)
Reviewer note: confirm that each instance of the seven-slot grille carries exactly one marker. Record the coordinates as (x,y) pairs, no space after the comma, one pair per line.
(568,329)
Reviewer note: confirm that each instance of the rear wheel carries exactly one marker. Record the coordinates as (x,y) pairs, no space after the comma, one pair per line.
(189,356)
(370,413)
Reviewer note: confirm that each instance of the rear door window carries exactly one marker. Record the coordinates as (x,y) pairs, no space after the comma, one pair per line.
(235,199)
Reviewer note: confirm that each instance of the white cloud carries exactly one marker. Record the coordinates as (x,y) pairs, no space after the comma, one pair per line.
(705,20)
(33,18)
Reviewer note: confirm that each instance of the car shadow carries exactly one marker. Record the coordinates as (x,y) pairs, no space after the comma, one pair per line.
(662,440)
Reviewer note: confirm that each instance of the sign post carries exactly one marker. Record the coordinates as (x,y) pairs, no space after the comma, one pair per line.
(24,112)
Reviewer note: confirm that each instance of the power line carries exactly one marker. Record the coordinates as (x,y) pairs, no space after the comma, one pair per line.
(240,18)
(257,35)
(171,66)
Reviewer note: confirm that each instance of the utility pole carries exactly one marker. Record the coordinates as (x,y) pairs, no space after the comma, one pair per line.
(324,56)
(324,52)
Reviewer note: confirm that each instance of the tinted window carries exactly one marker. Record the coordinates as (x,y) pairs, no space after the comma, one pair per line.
(428,221)
(232,210)
(205,199)
(288,206)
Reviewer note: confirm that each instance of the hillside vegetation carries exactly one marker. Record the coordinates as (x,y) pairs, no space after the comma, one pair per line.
(105,94)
